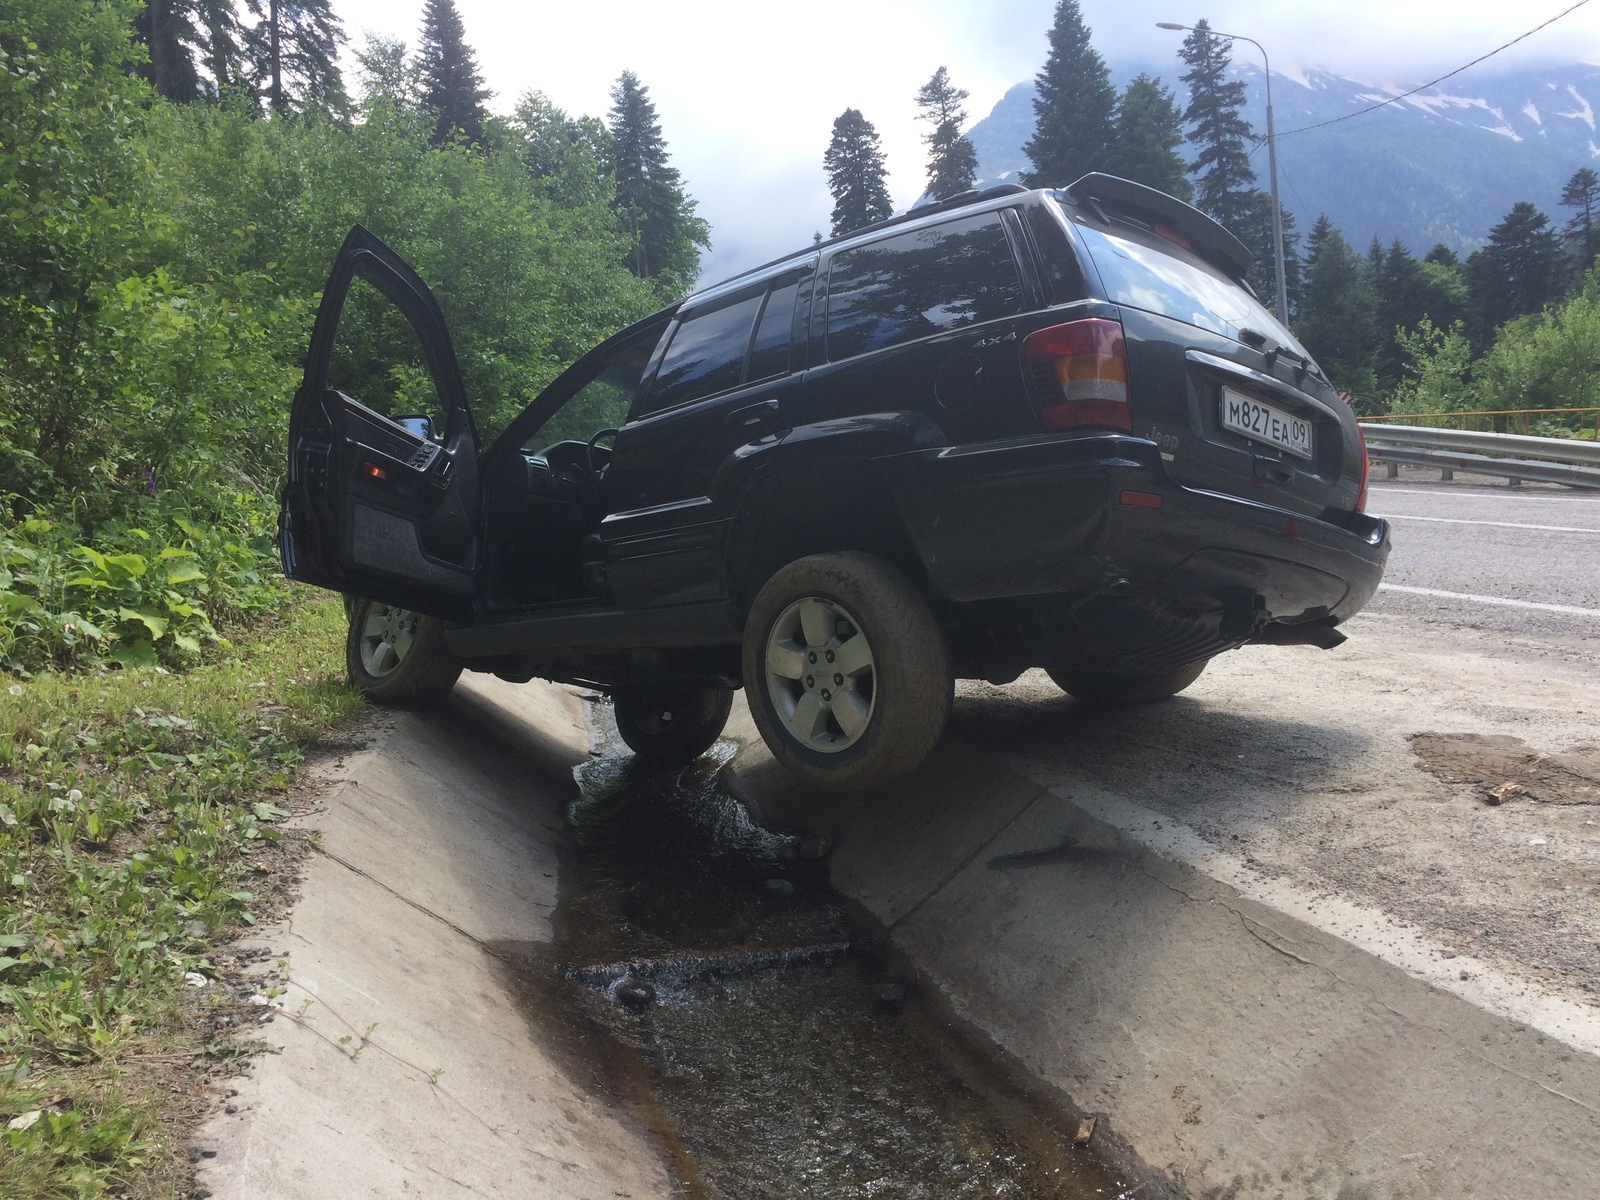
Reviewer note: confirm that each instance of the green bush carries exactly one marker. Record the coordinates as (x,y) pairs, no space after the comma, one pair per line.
(146,596)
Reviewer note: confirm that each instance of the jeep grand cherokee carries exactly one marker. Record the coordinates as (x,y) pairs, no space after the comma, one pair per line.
(1015,429)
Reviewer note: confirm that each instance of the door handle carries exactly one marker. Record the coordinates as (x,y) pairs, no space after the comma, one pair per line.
(753,415)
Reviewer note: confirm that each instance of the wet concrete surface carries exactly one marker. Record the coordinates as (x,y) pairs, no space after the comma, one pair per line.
(759,1024)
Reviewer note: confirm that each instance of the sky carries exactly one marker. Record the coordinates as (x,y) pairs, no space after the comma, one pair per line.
(747,92)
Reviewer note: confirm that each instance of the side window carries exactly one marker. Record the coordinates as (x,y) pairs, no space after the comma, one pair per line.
(602,402)
(706,354)
(378,361)
(919,283)
(1063,276)
(769,353)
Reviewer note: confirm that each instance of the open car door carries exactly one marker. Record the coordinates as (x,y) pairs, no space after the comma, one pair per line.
(380,504)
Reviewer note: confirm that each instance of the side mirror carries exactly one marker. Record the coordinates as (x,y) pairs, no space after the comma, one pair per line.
(418,426)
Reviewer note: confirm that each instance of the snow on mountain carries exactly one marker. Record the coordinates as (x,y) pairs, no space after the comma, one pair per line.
(1441,166)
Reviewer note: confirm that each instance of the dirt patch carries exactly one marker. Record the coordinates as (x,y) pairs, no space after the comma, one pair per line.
(1506,768)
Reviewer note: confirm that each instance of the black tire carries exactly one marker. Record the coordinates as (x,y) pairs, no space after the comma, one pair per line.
(423,668)
(906,699)
(1100,687)
(671,726)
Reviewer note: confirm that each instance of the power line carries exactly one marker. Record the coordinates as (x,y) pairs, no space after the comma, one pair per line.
(1424,87)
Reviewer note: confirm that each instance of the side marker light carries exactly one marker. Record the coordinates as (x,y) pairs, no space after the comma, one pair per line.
(1141,500)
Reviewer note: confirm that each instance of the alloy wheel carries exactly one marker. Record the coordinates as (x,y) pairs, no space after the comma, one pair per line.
(821,675)
(386,637)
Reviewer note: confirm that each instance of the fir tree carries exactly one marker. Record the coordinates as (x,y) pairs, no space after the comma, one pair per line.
(1337,313)
(1516,274)
(854,163)
(650,199)
(1148,132)
(451,84)
(293,49)
(1442,255)
(1224,180)
(1583,194)
(1075,106)
(952,161)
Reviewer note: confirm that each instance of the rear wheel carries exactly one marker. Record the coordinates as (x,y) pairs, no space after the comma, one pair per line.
(397,656)
(846,671)
(671,726)
(1102,687)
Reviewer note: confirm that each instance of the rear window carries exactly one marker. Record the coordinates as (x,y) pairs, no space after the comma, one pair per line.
(1144,271)
(920,283)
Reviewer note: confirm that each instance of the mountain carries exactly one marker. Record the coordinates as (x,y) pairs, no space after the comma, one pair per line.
(1442,166)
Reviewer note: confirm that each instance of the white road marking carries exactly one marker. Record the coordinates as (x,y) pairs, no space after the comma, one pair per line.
(1496,524)
(1497,495)
(1407,946)
(1499,601)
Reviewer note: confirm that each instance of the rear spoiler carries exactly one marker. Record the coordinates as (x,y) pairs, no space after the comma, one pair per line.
(1209,239)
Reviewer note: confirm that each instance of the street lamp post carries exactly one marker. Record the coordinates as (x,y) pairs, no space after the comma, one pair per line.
(1272,165)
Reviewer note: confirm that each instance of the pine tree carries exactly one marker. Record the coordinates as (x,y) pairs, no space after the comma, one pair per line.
(1583,194)
(1314,242)
(225,43)
(1254,229)
(1148,132)
(167,29)
(1337,313)
(293,49)
(451,84)
(1217,131)
(1075,106)
(1401,293)
(1516,274)
(952,160)
(650,200)
(854,163)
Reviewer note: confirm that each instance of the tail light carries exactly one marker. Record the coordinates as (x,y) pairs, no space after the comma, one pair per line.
(1366,470)
(1080,375)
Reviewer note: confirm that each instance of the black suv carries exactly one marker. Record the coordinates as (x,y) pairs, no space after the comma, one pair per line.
(1015,429)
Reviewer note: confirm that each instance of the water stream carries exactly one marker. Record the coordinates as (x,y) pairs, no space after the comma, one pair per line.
(760,1025)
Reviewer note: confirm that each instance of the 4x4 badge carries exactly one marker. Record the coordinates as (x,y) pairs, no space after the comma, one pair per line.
(994,341)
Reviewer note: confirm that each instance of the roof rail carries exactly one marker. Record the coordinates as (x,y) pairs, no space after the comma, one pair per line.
(1210,240)
(959,200)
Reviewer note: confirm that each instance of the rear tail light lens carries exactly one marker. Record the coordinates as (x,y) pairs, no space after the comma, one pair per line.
(1080,375)
(1366,470)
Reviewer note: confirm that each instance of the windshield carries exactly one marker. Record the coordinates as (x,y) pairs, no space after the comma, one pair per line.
(1167,280)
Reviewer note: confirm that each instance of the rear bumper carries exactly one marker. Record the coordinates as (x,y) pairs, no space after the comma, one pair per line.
(1078,519)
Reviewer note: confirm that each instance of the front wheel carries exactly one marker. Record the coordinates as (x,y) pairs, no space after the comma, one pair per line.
(1103,687)
(671,725)
(846,671)
(397,656)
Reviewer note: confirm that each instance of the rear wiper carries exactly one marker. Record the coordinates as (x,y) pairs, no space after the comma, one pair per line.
(1273,351)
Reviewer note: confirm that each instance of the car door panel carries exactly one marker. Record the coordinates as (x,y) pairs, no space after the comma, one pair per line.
(372,508)
(669,481)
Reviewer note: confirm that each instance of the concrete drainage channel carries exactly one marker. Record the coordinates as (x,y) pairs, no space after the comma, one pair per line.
(762,1027)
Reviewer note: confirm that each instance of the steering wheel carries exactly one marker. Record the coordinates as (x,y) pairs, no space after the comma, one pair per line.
(588,451)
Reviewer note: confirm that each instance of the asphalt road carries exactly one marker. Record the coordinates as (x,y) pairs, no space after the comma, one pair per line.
(1519,561)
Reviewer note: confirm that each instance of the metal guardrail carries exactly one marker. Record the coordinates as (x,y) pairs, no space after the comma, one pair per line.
(1511,456)
(1499,420)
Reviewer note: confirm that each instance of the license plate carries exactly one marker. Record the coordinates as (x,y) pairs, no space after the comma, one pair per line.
(1265,423)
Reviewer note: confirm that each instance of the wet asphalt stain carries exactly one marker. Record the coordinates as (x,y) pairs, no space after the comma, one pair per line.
(759,1025)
